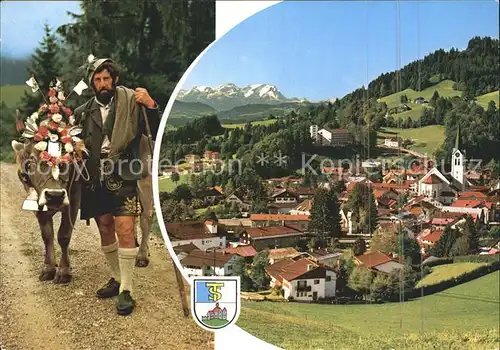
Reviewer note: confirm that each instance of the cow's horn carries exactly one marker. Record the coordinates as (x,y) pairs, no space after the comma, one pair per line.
(17,146)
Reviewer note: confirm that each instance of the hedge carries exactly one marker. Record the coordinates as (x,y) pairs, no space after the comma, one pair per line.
(441,261)
(466,277)
(477,258)
(465,258)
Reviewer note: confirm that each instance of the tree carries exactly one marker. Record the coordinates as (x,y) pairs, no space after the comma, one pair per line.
(154,41)
(434,98)
(461,246)
(175,177)
(45,65)
(359,247)
(442,248)
(325,215)
(360,279)
(403,98)
(384,287)
(384,242)
(258,270)
(239,269)
(408,247)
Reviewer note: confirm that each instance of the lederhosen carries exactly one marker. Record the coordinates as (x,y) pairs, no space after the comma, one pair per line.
(106,192)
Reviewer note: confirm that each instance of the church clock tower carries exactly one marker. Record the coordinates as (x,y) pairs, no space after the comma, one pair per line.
(458,162)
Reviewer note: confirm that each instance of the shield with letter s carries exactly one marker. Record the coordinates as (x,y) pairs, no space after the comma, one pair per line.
(215,301)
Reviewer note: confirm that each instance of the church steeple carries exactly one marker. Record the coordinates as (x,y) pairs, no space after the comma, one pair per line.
(457,139)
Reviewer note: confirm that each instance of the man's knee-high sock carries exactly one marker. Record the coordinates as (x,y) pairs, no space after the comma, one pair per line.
(126,257)
(111,254)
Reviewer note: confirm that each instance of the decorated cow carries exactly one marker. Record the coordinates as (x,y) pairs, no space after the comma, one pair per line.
(50,159)
(51,162)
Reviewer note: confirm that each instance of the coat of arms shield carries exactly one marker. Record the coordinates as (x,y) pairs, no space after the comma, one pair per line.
(215,301)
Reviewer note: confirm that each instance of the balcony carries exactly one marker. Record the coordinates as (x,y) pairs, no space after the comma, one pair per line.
(303,288)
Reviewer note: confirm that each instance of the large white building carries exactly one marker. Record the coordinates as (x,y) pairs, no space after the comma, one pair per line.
(330,137)
(303,279)
(444,188)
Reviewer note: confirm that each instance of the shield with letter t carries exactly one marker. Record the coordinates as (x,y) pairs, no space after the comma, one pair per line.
(215,301)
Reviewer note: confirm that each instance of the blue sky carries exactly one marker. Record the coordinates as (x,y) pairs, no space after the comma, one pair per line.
(321,49)
(22,23)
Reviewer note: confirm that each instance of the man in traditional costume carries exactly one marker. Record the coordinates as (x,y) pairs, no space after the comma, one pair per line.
(113,123)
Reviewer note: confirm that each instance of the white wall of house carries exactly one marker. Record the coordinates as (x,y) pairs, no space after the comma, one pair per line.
(323,288)
(330,284)
(285,200)
(390,143)
(208,270)
(203,243)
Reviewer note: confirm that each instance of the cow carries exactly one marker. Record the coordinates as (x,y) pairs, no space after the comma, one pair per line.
(56,195)
(63,195)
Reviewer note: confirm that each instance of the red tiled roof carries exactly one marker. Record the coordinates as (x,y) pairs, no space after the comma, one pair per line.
(394,186)
(278,217)
(200,258)
(269,231)
(472,195)
(192,230)
(281,253)
(372,259)
(432,236)
(290,269)
(305,191)
(242,250)
(444,221)
(466,203)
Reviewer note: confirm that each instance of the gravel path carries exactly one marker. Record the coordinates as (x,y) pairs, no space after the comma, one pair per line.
(35,315)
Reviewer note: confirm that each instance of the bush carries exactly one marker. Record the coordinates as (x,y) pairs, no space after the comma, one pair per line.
(441,261)
(477,258)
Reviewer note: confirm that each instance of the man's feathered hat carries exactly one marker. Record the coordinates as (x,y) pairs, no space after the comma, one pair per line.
(93,64)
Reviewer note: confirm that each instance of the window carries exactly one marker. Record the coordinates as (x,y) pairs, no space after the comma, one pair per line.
(316,281)
(328,278)
(297,294)
(230,267)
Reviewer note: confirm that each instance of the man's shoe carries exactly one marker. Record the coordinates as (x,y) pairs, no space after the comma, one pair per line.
(125,304)
(109,290)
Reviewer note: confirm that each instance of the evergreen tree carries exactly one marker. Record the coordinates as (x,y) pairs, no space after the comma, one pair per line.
(258,270)
(359,247)
(325,215)
(45,66)
(442,248)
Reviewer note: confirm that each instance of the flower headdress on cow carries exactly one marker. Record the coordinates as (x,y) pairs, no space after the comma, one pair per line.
(52,127)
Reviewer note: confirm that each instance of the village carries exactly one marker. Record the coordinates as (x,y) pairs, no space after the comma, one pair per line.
(278,258)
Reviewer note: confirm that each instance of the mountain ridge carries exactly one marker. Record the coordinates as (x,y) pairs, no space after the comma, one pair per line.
(227,96)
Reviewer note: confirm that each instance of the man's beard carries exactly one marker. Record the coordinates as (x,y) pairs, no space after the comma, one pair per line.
(104,95)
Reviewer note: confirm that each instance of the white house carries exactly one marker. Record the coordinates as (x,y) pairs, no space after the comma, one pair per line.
(303,279)
(304,208)
(378,262)
(203,234)
(209,263)
(394,142)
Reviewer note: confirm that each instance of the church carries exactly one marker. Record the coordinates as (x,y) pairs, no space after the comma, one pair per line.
(444,188)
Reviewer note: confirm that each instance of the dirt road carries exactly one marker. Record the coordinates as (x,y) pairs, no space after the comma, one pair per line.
(42,315)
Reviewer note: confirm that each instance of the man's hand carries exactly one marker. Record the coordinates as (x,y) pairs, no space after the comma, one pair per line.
(142,97)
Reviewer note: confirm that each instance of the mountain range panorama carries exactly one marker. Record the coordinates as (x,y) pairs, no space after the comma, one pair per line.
(227,96)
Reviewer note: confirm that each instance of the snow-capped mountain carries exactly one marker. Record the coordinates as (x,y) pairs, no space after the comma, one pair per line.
(227,96)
